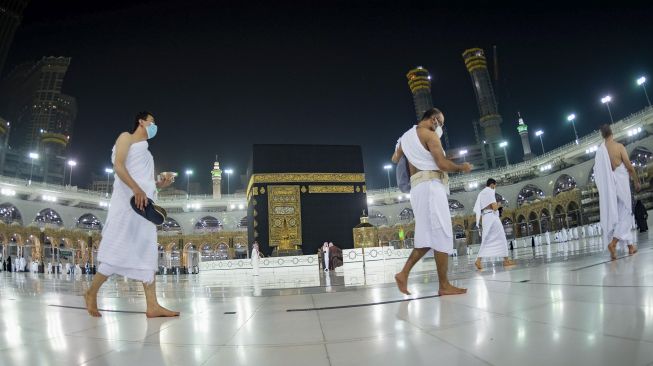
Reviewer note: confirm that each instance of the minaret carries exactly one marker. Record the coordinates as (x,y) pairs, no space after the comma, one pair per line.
(419,82)
(525,142)
(216,176)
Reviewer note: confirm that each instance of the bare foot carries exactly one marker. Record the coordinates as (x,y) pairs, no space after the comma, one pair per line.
(478,264)
(451,290)
(632,249)
(402,283)
(612,247)
(160,312)
(508,263)
(91,305)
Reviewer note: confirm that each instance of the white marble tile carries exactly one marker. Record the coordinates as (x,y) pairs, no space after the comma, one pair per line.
(314,355)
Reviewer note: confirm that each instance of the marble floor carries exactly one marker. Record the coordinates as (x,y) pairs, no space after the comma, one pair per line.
(563,304)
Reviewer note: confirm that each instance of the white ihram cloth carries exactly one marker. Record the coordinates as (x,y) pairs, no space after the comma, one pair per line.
(428,199)
(493,239)
(129,243)
(614,198)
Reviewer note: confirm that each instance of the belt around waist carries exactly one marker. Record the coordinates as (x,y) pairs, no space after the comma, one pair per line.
(487,211)
(427,175)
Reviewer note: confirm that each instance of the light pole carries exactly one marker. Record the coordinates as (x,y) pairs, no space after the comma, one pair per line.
(33,156)
(606,100)
(189,172)
(571,118)
(505,152)
(109,171)
(387,168)
(228,172)
(641,81)
(539,133)
(71,164)
(463,153)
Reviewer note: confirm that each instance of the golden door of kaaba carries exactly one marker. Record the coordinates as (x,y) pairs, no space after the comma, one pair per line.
(300,196)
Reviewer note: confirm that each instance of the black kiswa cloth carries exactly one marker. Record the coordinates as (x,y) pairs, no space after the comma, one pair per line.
(153,213)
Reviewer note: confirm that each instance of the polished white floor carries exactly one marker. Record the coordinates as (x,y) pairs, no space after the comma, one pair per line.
(561,305)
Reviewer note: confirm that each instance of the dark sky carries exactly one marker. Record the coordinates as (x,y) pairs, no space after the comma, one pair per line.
(221,76)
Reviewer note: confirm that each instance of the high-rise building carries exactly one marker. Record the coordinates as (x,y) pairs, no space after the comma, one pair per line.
(522,128)
(41,116)
(490,120)
(11,15)
(419,82)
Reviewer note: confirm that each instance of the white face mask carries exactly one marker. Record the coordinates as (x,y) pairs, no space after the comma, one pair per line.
(439,131)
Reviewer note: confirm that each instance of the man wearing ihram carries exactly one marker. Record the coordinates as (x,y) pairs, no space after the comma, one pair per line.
(429,187)
(129,245)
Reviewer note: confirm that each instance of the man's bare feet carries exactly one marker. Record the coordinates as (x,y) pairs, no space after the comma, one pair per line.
(449,289)
(160,312)
(91,305)
(402,283)
(612,247)
(478,264)
(508,262)
(632,249)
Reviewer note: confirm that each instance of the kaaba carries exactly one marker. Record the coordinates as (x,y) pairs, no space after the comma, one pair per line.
(300,196)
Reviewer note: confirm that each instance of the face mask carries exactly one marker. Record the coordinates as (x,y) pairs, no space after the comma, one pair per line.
(439,131)
(151,130)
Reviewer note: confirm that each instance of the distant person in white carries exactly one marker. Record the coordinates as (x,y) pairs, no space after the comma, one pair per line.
(325,249)
(493,237)
(612,173)
(129,243)
(255,258)
(429,187)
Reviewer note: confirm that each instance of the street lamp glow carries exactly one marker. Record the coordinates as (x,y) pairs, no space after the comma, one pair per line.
(539,133)
(463,152)
(503,144)
(108,170)
(606,99)
(228,172)
(387,167)
(189,172)
(72,163)
(641,80)
(571,117)
(33,155)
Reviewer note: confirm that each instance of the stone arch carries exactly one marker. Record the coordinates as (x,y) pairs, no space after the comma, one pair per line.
(529,193)
(10,214)
(564,183)
(522,226)
(48,216)
(534,223)
(407,214)
(88,221)
(559,217)
(573,214)
(208,224)
(170,224)
(545,220)
(222,251)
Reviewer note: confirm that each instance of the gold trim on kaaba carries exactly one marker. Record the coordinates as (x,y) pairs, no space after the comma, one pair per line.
(284,216)
(330,189)
(266,178)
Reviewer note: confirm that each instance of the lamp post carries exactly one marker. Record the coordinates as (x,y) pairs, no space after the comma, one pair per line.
(387,168)
(189,172)
(228,172)
(505,152)
(539,134)
(606,100)
(33,156)
(109,171)
(641,81)
(71,164)
(571,118)
(463,153)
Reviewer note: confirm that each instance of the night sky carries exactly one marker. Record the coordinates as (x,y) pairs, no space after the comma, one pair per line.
(222,76)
